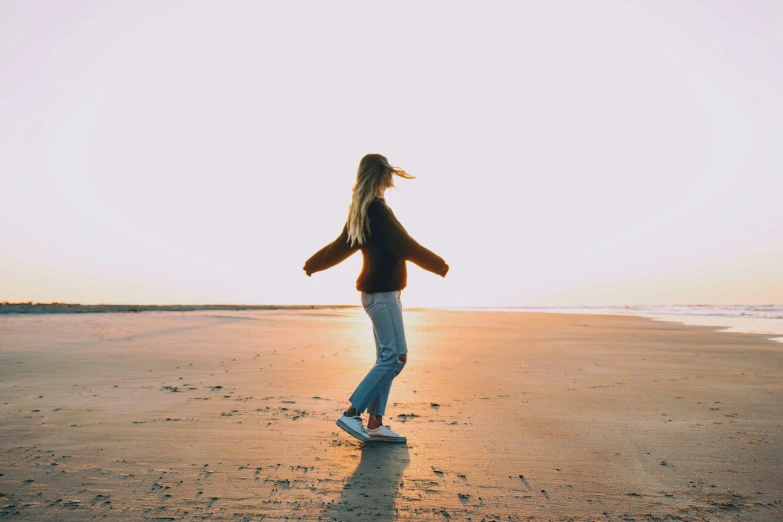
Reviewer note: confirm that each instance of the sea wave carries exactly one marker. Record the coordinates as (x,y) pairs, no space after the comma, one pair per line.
(770,311)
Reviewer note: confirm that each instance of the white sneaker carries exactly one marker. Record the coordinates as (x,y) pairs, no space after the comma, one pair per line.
(353,426)
(384,434)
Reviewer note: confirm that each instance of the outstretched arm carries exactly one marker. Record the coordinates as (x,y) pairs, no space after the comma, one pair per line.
(332,254)
(403,245)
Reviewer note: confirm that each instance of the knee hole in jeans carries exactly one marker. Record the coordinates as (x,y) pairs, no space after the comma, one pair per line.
(401,359)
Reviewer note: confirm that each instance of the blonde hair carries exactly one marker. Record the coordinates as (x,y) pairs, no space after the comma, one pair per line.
(374,172)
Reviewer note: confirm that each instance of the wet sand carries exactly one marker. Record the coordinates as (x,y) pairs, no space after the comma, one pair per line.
(509,416)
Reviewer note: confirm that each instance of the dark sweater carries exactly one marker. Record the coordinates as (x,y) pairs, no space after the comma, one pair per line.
(384,253)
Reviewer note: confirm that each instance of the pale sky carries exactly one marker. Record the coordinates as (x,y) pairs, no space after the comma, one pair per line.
(567,153)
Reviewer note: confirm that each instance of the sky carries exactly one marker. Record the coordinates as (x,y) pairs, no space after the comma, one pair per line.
(566,153)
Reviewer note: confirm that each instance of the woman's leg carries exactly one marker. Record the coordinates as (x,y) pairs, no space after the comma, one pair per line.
(372,408)
(386,316)
(376,419)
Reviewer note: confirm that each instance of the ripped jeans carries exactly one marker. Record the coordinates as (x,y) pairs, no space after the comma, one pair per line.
(385,311)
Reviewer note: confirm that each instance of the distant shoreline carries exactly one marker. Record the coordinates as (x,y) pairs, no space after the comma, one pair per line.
(75,308)
(752,319)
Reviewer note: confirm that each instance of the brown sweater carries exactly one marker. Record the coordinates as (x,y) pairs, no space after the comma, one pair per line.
(384,253)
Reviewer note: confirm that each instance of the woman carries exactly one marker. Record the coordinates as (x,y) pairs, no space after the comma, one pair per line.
(386,246)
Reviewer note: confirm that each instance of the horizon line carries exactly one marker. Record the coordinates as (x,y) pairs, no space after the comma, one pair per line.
(273,305)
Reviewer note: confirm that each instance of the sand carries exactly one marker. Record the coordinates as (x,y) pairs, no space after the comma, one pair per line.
(509,416)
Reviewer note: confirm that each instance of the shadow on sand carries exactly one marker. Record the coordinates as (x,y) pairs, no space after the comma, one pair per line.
(371,492)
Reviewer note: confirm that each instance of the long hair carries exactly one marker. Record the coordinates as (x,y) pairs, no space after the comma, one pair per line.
(374,173)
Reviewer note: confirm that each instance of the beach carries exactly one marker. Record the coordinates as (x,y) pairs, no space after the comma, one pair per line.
(230,415)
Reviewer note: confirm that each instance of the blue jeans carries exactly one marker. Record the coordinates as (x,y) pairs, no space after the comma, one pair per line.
(385,311)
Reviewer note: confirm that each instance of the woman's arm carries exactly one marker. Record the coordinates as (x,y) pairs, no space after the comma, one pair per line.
(332,254)
(402,244)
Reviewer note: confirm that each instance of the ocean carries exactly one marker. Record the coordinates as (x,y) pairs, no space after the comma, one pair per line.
(756,319)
